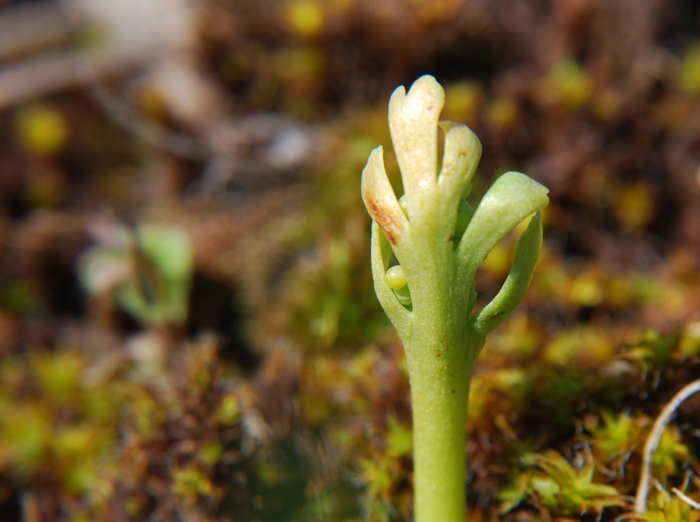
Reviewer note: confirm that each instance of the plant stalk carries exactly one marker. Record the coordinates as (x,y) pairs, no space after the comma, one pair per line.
(439,243)
(440,368)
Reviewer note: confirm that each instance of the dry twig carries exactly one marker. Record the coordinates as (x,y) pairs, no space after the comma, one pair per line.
(653,441)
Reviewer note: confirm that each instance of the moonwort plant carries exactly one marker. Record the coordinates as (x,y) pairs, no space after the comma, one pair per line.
(429,296)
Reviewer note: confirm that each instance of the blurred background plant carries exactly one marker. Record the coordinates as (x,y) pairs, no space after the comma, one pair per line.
(259,380)
(147,271)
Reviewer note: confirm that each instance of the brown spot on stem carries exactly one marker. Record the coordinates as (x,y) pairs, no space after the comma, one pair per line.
(451,238)
(453,392)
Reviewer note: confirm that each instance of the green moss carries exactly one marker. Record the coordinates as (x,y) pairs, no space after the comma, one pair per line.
(562,488)
(211,453)
(58,375)
(190,482)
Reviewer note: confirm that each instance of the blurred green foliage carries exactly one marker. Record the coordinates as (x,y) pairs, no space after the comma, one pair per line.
(148,272)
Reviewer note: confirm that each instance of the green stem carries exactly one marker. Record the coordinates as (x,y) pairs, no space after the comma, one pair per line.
(440,368)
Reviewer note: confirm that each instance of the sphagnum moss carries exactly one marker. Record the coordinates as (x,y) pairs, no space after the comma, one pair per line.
(429,297)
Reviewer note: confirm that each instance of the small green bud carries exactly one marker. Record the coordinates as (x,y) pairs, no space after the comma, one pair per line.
(396,280)
(395,277)
(403,203)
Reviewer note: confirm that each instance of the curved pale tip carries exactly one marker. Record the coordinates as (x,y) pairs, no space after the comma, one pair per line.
(460,142)
(427,88)
(461,157)
(379,198)
(426,95)
(447,125)
(397,97)
(372,182)
(459,134)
